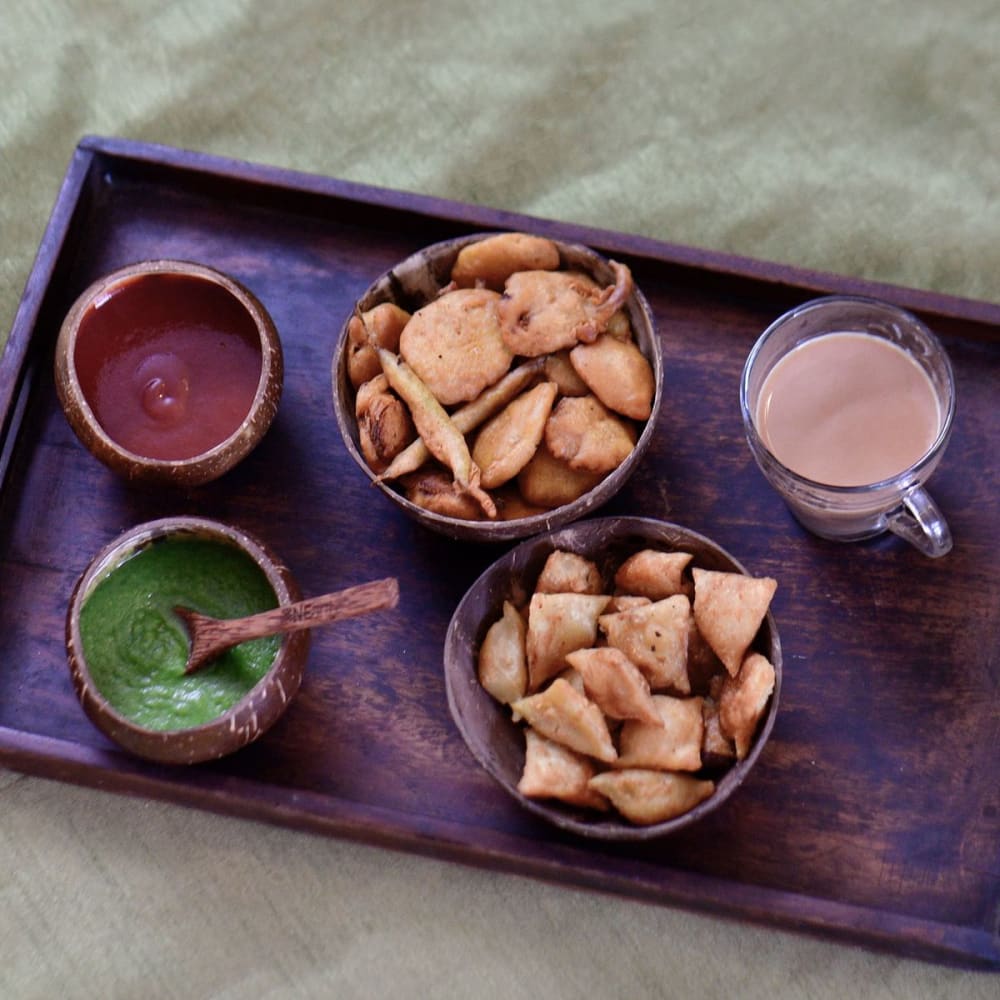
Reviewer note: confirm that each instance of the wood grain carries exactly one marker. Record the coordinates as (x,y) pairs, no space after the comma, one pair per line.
(874,813)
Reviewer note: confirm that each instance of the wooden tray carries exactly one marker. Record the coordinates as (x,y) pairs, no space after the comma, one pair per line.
(874,814)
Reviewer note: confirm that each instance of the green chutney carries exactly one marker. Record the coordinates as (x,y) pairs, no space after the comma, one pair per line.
(136,647)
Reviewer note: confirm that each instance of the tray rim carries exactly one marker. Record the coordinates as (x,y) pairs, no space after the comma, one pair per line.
(87,767)
(80,764)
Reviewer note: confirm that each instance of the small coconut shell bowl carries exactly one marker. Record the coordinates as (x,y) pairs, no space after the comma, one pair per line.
(130,326)
(245,720)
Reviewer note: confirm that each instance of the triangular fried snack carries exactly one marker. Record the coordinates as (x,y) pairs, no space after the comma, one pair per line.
(674,744)
(716,747)
(569,573)
(653,574)
(728,610)
(645,797)
(743,700)
(503,665)
(553,771)
(654,637)
(558,624)
(615,684)
(564,715)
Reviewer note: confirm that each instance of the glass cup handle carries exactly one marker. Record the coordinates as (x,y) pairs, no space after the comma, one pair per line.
(921,523)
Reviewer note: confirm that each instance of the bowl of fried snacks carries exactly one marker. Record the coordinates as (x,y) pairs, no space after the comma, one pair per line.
(496,386)
(619,677)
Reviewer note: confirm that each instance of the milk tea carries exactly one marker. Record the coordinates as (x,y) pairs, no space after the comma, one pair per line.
(848,409)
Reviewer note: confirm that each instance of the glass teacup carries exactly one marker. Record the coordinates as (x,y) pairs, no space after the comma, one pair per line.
(898,503)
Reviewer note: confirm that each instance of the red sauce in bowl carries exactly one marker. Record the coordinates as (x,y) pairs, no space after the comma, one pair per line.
(169,363)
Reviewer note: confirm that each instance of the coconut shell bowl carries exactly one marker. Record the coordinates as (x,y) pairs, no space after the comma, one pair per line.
(169,372)
(438,281)
(496,731)
(127,669)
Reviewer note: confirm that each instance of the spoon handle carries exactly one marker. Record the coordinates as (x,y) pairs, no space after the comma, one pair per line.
(211,636)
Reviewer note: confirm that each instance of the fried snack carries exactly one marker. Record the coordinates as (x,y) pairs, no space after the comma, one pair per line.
(618,374)
(377,327)
(568,573)
(743,700)
(653,574)
(575,680)
(384,424)
(436,491)
(625,602)
(490,262)
(654,637)
(615,693)
(545,311)
(646,797)
(503,664)
(511,505)
(553,771)
(469,417)
(615,684)
(456,349)
(728,610)
(559,369)
(717,748)
(673,743)
(583,433)
(443,439)
(547,482)
(455,346)
(619,326)
(557,625)
(508,441)
(565,716)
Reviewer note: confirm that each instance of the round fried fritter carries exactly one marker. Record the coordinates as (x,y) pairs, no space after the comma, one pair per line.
(586,435)
(490,262)
(455,346)
(546,311)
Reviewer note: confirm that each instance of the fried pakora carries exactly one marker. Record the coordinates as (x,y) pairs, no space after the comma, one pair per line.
(587,436)
(508,441)
(488,263)
(455,345)
(545,311)
(379,326)
(384,424)
(618,374)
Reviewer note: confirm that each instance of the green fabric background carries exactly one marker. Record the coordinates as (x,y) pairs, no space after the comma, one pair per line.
(857,137)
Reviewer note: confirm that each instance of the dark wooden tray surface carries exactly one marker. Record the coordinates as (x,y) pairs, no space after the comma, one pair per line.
(873,815)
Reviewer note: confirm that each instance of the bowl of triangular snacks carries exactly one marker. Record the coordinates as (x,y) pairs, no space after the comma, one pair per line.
(618,677)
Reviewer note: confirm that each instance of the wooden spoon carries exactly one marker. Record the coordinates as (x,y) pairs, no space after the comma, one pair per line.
(212,636)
